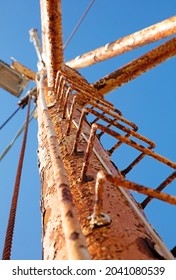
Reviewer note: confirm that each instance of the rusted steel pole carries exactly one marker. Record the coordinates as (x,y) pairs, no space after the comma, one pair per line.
(126,234)
(138,39)
(136,68)
(122,232)
(74,244)
(52,38)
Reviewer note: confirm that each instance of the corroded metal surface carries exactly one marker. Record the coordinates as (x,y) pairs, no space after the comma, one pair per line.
(6,255)
(83,156)
(75,245)
(52,38)
(131,143)
(76,149)
(164,184)
(141,189)
(127,241)
(138,39)
(82,159)
(136,68)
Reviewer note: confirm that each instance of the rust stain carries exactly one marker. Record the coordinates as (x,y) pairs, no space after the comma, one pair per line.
(137,67)
(138,39)
(46,217)
(99,240)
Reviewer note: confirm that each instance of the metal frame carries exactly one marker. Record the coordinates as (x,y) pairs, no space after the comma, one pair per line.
(11,80)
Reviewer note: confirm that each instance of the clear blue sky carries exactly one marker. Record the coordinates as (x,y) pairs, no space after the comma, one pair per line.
(148,101)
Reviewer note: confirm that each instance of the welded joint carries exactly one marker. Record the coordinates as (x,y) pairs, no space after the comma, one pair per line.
(134,163)
(117,145)
(161,187)
(98,218)
(97,118)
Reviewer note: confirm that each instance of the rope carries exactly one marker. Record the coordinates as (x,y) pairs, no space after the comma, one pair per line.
(16,136)
(11,222)
(9,118)
(78,24)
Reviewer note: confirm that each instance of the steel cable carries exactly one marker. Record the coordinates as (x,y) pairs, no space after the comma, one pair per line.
(78,24)
(9,118)
(11,222)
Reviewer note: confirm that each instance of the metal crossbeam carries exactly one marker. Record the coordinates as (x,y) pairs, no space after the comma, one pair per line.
(138,39)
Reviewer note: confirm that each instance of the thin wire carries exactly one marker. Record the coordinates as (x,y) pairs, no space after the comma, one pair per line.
(11,222)
(9,118)
(78,24)
(16,136)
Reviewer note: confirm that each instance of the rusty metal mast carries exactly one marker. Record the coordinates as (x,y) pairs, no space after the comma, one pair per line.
(87,211)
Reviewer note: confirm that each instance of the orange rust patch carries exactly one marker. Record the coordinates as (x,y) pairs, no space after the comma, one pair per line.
(124,237)
(47,214)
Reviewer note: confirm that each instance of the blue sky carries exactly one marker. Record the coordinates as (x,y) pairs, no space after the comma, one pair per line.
(148,101)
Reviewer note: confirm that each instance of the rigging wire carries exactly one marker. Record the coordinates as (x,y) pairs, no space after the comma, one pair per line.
(17,135)
(22,103)
(11,222)
(9,118)
(78,24)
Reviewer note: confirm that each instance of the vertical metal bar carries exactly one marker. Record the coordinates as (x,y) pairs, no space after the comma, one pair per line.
(75,147)
(52,24)
(61,93)
(88,152)
(98,218)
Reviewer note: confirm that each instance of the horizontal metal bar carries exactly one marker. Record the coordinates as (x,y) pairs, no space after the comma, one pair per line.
(141,189)
(136,68)
(138,39)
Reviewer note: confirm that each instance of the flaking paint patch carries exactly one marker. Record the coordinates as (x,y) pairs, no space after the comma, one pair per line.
(47,215)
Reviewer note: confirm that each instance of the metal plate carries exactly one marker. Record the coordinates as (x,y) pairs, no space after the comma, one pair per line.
(11,80)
